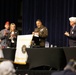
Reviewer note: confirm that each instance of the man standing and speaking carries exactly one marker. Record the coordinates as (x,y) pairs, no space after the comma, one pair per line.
(72,34)
(40,32)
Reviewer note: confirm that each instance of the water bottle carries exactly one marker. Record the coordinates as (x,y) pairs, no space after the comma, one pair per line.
(26,74)
(55,46)
(46,44)
(51,45)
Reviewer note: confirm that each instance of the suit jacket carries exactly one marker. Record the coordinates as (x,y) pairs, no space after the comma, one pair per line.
(64,72)
(4,38)
(43,33)
(72,37)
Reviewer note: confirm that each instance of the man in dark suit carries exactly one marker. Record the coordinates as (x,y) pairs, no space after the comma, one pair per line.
(72,34)
(41,33)
(70,69)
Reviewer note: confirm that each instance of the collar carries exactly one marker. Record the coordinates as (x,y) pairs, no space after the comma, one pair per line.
(41,26)
(73,26)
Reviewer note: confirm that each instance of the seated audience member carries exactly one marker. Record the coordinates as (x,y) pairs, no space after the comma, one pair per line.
(13,35)
(70,69)
(42,32)
(4,35)
(7,68)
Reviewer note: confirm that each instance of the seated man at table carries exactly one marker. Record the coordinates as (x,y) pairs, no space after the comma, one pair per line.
(70,69)
(40,34)
(7,68)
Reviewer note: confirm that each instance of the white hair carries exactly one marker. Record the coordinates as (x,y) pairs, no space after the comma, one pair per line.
(7,68)
(72,19)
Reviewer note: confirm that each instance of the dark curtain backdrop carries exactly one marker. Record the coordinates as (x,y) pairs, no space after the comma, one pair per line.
(8,11)
(54,15)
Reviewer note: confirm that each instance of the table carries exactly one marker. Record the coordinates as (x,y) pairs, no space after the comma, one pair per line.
(54,57)
(9,53)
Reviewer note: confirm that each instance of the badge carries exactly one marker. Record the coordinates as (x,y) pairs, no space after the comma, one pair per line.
(41,30)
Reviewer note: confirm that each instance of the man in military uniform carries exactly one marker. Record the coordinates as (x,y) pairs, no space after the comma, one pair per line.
(40,34)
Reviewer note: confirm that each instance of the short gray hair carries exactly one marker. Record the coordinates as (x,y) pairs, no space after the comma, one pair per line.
(7,68)
(72,19)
